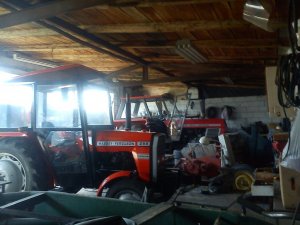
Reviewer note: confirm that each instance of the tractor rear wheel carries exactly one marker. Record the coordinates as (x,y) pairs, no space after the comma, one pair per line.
(127,189)
(22,166)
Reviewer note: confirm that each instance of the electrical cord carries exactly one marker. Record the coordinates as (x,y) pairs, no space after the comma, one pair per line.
(288,69)
(288,72)
(293,26)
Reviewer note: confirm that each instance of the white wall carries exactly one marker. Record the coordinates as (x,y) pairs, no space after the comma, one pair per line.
(247,109)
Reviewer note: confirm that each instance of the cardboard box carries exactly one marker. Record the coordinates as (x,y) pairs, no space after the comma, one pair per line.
(290,187)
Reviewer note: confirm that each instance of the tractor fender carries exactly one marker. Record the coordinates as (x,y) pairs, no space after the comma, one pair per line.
(112,177)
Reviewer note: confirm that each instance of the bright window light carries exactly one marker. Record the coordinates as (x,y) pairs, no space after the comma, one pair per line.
(95,100)
(5,76)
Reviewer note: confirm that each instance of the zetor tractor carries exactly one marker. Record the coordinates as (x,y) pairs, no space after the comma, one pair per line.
(56,130)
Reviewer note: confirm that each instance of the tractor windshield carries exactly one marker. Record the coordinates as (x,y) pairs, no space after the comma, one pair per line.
(97,105)
(58,106)
(147,107)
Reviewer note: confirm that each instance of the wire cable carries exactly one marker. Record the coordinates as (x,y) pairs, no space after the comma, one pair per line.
(288,69)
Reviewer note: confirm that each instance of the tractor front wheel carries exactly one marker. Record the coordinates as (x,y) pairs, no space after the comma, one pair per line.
(127,189)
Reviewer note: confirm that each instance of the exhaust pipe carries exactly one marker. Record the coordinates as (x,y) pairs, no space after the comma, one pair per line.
(128,112)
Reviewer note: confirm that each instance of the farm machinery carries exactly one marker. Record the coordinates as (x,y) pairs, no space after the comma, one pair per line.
(56,130)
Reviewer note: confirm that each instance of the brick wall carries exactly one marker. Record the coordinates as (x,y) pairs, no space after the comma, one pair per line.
(247,109)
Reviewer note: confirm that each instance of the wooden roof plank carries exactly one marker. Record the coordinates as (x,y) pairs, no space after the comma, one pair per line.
(166,26)
(45,10)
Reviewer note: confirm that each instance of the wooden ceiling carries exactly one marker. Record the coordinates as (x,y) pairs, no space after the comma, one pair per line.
(133,41)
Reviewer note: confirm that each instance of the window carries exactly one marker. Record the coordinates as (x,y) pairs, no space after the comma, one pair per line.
(57,106)
(96,102)
(15,105)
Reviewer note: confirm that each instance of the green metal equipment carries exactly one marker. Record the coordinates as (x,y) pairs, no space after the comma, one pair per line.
(53,208)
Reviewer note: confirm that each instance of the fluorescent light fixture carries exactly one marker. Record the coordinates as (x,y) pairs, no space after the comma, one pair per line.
(4,76)
(257,13)
(185,49)
(25,59)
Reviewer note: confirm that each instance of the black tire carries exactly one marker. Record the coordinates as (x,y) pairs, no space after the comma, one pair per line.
(127,189)
(24,166)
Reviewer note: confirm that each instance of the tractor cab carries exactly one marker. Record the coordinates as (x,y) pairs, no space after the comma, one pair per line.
(61,119)
(144,108)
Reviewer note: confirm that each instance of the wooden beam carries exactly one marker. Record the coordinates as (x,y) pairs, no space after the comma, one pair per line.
(201,77)
(10,33)
(69,29)
(223,43)
(43,47)
(122,71)
(227,43)
(209,66)
(152,3)
(244,57)
(45,10)
(140,27)
(92,39)
(250,86)
(145,73)
(167,26)
(133,28)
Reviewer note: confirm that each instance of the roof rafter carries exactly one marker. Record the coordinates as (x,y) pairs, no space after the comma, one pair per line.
(226,43)
(202,77)
(166,26)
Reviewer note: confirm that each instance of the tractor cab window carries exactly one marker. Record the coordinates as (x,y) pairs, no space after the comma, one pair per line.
(134,106)
(97,105)
(57,106)
(15,105)
(142,111)
(146,108)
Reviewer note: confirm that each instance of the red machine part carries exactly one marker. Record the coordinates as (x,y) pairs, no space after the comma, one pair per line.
(278,146)
(112,177)
(205,166)
(138,143)
(192,123)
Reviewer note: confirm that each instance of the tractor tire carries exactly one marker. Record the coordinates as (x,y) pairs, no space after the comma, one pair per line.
(127,189)
(22,166)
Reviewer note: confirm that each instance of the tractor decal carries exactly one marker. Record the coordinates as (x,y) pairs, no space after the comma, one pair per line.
(115,143)
(143,143)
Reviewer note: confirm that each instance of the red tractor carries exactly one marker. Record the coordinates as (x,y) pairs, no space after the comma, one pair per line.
(161,113)
(57,130)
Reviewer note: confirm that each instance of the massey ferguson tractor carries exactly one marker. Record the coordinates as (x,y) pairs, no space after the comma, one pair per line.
(57,130)
(160,113)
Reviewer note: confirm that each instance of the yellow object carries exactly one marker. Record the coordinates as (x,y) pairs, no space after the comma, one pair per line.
(243,180)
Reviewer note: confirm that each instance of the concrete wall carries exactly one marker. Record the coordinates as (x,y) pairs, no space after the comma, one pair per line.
(247,109)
